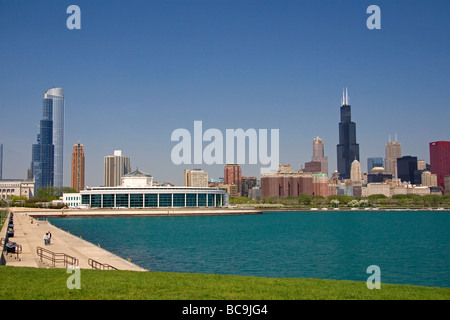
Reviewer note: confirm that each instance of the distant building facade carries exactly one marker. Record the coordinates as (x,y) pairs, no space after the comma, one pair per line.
(72,200)
(319,155)
(116,166)
(78,167)
(195,178)
(393,152)
(355,173)
(447,184)
(232,175)
(407,169)
(247,184)
(378,174)
(429,179)
(374,162)
(16,188)
(313,166)
(288,183)
(440,161)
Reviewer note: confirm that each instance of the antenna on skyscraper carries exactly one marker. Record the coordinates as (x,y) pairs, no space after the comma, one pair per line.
(396,138)
(346,96)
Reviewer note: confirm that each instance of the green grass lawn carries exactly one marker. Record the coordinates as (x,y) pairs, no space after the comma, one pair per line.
(19,283)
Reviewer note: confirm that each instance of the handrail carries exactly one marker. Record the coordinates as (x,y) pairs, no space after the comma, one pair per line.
(17,248)
(56,257)
(100,266)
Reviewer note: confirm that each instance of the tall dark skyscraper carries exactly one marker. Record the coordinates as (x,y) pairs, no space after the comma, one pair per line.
(347,149)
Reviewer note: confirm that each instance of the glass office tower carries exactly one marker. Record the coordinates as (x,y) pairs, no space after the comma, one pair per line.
(374,162)
(54,97)
(42,156)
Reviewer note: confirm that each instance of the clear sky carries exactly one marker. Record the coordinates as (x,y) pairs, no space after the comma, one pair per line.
(138,70)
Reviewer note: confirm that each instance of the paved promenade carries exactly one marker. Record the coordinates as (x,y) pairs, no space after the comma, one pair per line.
(29,233)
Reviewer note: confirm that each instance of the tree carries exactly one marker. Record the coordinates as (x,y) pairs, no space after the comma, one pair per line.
(342,198)
(432,199)
(305,199)
(53,193)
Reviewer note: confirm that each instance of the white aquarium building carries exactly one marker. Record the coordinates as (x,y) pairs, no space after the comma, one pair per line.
(137,191)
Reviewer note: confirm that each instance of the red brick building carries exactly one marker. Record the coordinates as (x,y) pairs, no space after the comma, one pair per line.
(440,160)
(232,174)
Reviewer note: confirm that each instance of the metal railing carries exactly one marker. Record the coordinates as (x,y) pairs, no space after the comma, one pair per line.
(56,257)
(100,266)
(15,248)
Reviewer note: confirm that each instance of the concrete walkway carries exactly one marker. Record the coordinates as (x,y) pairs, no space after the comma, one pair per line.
(29,233)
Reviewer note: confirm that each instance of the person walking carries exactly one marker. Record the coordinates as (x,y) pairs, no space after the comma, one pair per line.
(46,239)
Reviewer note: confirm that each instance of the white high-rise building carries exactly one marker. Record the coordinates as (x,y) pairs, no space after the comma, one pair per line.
(195,178)
(116,166)
(355,172)
(54,97)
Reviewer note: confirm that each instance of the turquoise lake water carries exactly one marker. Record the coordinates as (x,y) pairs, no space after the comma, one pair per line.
(408,247)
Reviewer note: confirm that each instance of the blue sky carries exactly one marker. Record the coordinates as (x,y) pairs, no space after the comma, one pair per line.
(137,70)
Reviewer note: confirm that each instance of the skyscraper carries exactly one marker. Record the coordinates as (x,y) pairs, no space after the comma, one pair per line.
(347,149)
(393,152)
(78,163)
(116,166)
(440,161)
(232,175)
(318,154)
(54,99)
(42,156)
(355,174)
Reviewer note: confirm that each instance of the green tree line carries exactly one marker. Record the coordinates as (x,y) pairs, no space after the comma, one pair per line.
(376,200)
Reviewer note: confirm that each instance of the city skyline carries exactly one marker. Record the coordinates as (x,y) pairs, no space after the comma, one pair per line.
(133,74)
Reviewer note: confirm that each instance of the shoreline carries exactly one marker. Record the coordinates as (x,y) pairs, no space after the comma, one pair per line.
(29,235)
(187,212)
(162,212)
(355,209)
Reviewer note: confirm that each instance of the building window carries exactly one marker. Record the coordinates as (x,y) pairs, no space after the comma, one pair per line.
(122,200)
(136,200)
(108,200)
(202,200)
(96,200)
(165,200)
(191,200)
(178,199)
(210,200)
(151,200)
(85,199)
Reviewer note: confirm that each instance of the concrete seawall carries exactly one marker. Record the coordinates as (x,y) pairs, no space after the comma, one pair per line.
(29,233)
(134,212)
